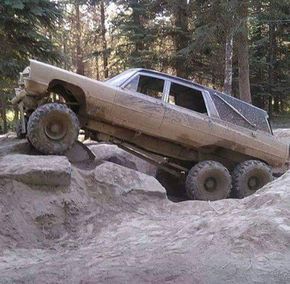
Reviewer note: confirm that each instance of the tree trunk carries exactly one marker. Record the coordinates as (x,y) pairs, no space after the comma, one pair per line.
(181,36)
(139,42)
(16,114)
(276,106)
(243,54)
(282,107)
(228,65)
(97,68)
(104,40)
(272,57)
(64,37)
(270,106)
(79,54)
(3,113)
(65,65)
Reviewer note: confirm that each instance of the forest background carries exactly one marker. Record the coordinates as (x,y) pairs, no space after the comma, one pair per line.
(240,47)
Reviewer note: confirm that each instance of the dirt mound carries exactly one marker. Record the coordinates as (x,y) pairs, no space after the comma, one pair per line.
(283,134)
(45,198)
(103,229)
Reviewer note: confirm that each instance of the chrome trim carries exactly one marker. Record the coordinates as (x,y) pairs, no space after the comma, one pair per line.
(210,106)
(166,91)
(125,83)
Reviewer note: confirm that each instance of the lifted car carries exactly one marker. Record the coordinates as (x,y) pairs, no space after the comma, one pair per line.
(219,144)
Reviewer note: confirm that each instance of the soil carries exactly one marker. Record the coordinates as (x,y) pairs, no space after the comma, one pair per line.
(84,233)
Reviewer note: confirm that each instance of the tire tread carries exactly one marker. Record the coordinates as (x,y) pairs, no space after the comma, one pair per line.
(33,128)
(240,171)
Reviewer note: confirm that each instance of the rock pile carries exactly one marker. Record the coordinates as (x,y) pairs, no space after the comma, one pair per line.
(113,224)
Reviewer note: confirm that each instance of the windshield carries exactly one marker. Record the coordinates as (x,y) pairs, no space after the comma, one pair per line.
(121,78)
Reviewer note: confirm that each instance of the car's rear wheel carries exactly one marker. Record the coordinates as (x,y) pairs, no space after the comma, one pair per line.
(208,180)
(249,176)
(53,128)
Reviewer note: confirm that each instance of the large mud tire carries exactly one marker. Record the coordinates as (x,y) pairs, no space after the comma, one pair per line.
(208,180)
(249,176)
(53,128)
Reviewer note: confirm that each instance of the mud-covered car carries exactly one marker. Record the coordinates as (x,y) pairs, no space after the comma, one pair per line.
(219,144)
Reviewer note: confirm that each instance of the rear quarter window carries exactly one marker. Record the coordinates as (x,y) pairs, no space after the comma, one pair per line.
(232,110)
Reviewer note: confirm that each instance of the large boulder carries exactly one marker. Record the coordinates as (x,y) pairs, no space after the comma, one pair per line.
(118,180)
(36,170)
(283,134)
(112,153)
(9,144)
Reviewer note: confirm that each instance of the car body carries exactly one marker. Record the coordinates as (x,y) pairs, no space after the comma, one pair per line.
(217,145)
(159,113)
(157,118)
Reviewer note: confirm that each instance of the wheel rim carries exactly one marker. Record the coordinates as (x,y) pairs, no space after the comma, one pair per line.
(210,184)
(55,127)
(253,183)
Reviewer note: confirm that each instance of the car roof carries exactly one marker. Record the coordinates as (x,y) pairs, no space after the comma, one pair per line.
(150,71)
(186,81)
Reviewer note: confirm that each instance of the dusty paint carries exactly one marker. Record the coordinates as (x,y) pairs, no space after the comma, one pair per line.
(122,110)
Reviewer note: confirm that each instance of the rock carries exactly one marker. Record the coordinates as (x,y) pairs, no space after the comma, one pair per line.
(80,153)
(153,241)
(112,153)
(120,180)
(36,170)
(12,145)
(283,134)
(102,231)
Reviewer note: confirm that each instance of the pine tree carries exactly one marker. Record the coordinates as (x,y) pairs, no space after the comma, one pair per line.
(243,53)
(136,34)
(180,36)
(24,31)
(22,24)
(270,58)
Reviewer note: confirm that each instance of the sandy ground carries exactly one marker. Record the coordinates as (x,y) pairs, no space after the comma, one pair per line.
(283,134)
(84,233)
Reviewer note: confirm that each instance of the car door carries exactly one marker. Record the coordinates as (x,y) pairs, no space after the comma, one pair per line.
(187,115)
(139,103)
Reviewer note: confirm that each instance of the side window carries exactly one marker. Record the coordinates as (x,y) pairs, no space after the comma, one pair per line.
(147,85)
(187,97)
(133,84)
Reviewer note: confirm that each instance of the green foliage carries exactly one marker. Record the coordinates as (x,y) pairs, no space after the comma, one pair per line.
(270,52)
(25,27)
(24,31)
(136,33)
(185,37)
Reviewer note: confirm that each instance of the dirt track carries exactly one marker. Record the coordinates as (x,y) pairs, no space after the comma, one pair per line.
(86,233)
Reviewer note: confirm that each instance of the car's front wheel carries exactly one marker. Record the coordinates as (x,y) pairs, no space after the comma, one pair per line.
(53,128)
